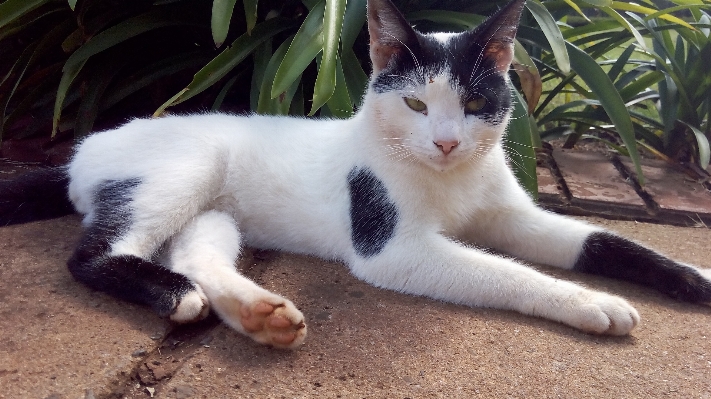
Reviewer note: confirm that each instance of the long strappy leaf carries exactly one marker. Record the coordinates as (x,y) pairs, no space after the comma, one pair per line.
(12,9)
(220,21)
(326,78)
(227,60)
(307,43)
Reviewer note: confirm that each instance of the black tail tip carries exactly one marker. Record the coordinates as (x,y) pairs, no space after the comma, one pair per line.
(36,195)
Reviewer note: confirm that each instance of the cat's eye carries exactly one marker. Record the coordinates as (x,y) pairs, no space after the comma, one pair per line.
(474,105)
(415,104)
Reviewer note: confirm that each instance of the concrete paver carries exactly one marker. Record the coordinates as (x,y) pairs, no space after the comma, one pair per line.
(56,336)
(590,176)
(59,338)
(671,189)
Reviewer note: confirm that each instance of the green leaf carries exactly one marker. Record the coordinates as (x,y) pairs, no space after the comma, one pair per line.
(27,60)
(356,78)
(25,21)
(250,13)
(326,78)
(262,54)
(519,148)
(306,45)
(127,29)
(599,3)
(620,63)
(550,29)
(151,73)
(99,79)
(72,4)
(340,103)
(625,24)
(605,91)
(640,84)
(69,72)
(13,9)
(618,5)
(353,22)
(19,67)
(227,60)
(280,104)
(223,92)
(703,145)
(221,17)
(577,9)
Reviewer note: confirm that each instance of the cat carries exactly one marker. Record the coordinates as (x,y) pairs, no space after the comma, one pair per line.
(407,193)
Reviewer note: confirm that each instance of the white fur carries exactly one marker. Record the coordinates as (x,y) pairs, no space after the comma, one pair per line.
(211,183)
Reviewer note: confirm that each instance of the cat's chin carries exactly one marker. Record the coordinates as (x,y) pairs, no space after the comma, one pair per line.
(443,163)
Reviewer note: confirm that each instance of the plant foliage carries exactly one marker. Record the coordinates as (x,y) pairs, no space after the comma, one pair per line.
(70,66)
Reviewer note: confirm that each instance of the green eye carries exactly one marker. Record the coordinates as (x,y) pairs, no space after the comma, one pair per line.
(475,105)
(415,104)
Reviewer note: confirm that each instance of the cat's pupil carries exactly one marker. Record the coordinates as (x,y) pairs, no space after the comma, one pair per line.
(415,104)
(474,105)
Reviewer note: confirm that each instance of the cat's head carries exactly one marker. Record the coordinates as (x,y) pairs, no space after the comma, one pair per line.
(444,98)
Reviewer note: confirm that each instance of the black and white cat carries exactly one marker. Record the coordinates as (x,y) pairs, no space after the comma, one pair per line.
(406,193)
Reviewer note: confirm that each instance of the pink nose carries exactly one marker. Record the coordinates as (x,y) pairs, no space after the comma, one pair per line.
(446,146)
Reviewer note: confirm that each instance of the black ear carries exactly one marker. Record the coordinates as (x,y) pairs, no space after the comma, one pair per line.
(390,34)
(496,35)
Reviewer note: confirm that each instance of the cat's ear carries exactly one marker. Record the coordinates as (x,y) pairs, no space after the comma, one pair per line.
(390,34)
(496,35)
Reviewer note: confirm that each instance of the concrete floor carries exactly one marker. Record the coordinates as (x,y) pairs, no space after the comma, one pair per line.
(59,339)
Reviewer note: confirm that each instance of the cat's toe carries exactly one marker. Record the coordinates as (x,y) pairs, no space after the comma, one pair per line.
(606,314)
(193,306)
(278,324)
(270,319)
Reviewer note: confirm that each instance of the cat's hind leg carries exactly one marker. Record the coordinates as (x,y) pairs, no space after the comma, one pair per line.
(131,275)
(206,250)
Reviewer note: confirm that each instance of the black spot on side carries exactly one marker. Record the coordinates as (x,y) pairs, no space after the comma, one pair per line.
(37,195)
(126,277)
(609,255)
(373,215)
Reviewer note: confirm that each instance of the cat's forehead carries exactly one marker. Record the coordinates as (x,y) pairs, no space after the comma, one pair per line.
(452,55)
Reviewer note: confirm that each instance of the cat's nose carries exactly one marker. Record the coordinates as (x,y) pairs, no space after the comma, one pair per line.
(446,146)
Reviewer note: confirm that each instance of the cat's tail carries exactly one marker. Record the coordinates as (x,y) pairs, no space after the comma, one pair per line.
(37,195)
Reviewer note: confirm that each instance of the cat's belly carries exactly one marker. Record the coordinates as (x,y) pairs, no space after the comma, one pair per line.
(290,221)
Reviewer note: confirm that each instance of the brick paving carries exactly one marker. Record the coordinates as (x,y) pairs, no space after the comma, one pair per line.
(592,183)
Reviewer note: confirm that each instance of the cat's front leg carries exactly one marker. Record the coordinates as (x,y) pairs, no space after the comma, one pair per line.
(535,235)
(205,251)
(434,266)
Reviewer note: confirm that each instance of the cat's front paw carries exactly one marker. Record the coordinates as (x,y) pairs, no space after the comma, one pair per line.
(599,313)
(270,320)
(192,307)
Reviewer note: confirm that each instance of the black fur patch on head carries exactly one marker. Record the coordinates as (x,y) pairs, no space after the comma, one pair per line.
(125,276)
(472,75)
(373,215)
(612,256)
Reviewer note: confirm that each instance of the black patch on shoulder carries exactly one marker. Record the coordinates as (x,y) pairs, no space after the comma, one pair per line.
(609,255)
(373,215)
(126,277)
(36,195)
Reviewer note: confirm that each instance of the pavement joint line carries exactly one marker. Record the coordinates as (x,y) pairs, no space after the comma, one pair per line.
(629,177)
(545,155)
(156,368)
